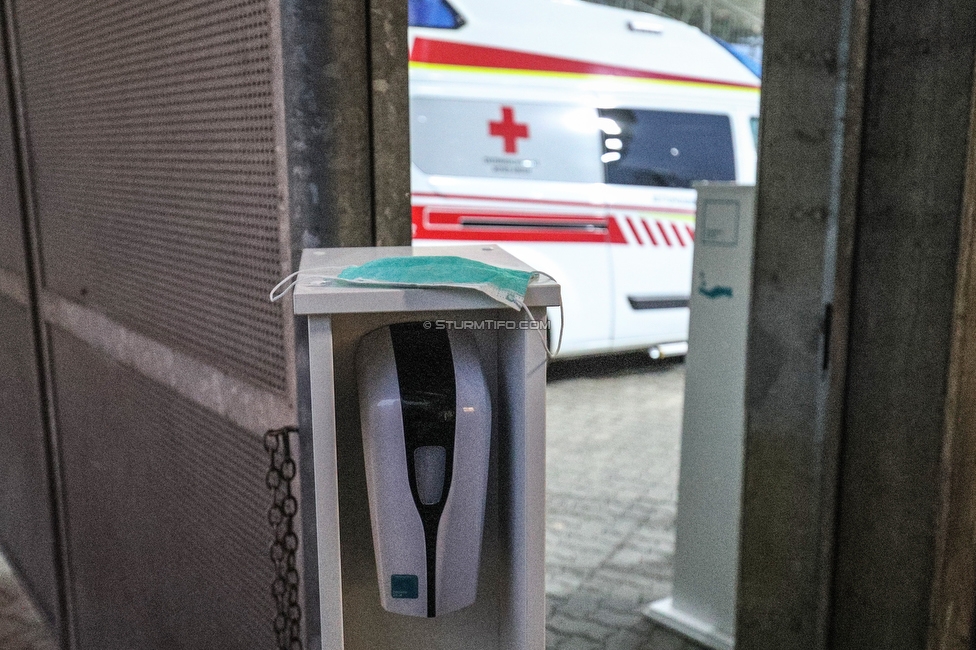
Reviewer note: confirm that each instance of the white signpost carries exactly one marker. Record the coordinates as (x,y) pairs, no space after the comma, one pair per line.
(702,604)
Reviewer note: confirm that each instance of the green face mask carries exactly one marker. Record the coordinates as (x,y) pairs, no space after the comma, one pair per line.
(507,286)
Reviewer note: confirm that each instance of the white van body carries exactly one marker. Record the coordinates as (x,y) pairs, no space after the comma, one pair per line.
(513,124)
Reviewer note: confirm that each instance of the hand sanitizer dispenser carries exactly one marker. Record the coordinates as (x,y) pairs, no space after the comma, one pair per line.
(426,424)
(417,504)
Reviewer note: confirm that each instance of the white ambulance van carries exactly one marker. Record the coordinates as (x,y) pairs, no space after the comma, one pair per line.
(570,133)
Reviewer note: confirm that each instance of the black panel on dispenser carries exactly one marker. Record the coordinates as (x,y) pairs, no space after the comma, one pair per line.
(428,400)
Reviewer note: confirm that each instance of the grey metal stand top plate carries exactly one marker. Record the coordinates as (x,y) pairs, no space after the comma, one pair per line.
(313,296)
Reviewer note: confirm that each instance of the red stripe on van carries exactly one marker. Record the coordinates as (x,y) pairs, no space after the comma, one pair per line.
(691,232)
(664,233)
(453,223)
(581,204)
(426,50)
(677,233)
(650,233)
(616,234)
(633,229)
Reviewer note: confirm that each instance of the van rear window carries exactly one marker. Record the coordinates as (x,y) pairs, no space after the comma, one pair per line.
(665,148)
(433,13)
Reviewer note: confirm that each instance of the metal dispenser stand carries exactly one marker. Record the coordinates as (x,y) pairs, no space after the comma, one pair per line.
(510,610)
(706,557)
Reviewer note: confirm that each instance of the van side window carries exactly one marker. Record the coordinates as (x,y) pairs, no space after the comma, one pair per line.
(665,148)
(507,140)
(433,13)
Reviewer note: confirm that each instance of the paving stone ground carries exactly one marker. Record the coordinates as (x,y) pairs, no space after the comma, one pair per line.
(613,433)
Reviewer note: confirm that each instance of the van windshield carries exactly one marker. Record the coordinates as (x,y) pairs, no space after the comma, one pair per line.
(665,148)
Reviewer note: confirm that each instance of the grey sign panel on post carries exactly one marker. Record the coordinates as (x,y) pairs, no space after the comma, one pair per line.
(718,222)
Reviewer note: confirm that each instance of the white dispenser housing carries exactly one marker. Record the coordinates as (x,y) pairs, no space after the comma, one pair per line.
(487,568)
(426,418)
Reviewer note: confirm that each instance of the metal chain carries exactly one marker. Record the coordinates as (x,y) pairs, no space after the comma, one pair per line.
(284,550)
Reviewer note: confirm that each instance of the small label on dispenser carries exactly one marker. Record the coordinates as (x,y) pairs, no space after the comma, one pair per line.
(404,586)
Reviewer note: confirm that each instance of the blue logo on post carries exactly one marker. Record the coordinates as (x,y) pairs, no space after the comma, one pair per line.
(714,292)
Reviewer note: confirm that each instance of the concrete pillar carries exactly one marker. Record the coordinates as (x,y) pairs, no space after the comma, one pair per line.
(347,122)
(857,510)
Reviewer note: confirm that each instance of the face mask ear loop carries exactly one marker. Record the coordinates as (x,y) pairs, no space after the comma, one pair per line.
(562,319)
(290,280)
(550,355)
(562,323)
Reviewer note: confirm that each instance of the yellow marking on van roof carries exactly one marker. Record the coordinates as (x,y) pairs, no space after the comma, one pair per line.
(447,67)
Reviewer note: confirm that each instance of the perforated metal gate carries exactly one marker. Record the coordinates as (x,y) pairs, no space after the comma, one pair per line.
(161,164)
(152,151)
(155,165)
(27,533)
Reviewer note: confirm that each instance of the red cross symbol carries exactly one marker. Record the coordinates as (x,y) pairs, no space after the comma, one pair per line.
(509,129)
